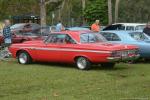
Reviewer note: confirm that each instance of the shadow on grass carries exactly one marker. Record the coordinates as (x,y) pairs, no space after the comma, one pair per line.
(73,66)
(123,66)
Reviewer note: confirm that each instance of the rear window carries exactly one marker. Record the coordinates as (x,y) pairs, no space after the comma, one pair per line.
(91,38)
(111,36)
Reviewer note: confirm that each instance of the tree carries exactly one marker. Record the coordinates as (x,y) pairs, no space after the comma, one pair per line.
(116,10)
(83,7)
(109,12)
(43,4)
(96,10)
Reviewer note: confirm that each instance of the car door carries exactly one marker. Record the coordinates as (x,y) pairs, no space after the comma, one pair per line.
(51,49)
(68,49)
(17,38)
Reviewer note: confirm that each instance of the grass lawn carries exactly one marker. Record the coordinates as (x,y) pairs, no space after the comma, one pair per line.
(60,82)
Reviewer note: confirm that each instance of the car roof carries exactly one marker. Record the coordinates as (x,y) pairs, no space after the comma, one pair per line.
(73,34)
(120,31)
(130,24)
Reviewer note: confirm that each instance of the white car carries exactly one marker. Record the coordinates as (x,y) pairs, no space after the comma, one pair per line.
(126,26)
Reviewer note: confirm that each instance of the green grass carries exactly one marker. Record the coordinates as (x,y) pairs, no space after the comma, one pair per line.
(60,82)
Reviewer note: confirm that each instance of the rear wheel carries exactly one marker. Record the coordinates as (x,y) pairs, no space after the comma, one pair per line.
(83,63)
(108,65)
(24,58)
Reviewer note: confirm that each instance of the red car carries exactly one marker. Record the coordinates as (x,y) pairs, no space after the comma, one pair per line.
(80,47)
(22,36)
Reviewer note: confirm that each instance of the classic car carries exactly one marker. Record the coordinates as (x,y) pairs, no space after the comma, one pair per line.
(126,26)
(20,36)
(79,47)
(139,39)
(25,27)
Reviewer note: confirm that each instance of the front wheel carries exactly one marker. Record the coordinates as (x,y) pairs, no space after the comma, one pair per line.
(108,65)
(83,63)
(24,58)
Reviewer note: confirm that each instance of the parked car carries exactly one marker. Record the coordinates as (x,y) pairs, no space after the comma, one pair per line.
(19,37)
(130,37)
(79,47)
(25,27)
(126,26)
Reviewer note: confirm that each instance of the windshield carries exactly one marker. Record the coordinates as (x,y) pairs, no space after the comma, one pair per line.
(139,36)
(91,38)
(115,27)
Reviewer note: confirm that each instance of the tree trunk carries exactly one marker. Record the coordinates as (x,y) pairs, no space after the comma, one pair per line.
(43,12)
(109,12)
(83,7)
(116,10)
(60,11)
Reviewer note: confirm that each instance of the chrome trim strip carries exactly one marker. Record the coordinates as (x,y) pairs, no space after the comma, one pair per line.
(62,49)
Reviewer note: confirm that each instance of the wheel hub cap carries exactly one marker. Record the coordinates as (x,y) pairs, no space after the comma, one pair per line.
(23,58)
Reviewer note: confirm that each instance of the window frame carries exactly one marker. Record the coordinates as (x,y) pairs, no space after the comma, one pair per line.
(119,39)
(45,41)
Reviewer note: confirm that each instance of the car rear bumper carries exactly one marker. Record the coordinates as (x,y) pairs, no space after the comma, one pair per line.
(123,59)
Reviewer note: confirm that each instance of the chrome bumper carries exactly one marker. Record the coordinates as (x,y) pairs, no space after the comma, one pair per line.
(123,59)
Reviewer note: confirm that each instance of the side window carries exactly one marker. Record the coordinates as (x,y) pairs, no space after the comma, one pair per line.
(129,28)
(60,38)
(111,36)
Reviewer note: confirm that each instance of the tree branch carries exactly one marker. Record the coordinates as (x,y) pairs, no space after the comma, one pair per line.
(51,1)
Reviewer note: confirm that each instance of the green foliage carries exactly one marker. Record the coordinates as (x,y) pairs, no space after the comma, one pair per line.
(96,10)
(10,8)
(129,10)
(134,11)
(58,82)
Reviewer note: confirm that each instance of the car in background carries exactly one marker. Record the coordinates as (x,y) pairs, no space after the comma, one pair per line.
(20,36)
(126,26)
(139,39)
(79,47)
(78,29)
(25,27)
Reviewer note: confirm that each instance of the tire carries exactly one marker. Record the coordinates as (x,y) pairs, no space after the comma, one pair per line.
(108,65)
(24,58)
(83,63)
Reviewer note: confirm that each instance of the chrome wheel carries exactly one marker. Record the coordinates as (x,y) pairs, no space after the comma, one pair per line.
(23,58)
(82,63)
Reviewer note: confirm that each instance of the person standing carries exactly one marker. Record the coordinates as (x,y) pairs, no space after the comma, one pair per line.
(96,26)
(60,27)
(147,29)
(7,35)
